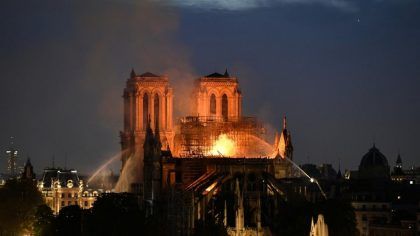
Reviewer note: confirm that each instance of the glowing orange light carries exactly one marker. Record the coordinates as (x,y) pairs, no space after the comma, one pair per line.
(209,188)
(223,146)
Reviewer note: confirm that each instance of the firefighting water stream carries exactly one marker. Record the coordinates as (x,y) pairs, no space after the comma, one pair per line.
(223,147)
(313,180)
(132,172)
(103,166)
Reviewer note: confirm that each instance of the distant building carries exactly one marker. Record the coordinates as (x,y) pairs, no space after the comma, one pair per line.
(28,171)
(370,212)
(12,156)
(62,188)
(384,204)
(374,165)
(409,176)
(323,171)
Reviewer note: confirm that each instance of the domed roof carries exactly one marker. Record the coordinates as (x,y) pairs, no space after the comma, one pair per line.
(374,165)
(373,158)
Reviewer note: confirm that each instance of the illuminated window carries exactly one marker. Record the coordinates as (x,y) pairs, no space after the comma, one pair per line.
(225,110)
(212,104)
(145,110)
(156,109)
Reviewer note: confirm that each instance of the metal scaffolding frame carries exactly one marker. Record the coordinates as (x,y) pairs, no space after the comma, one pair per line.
(197,134)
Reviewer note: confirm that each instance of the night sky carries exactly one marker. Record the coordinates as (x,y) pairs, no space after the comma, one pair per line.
(346,73)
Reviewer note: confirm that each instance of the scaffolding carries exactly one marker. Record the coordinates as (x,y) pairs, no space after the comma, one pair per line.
(197,134)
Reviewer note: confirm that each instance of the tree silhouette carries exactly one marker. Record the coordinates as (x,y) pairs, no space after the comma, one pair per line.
(44,220)
(68,221)
(18,202)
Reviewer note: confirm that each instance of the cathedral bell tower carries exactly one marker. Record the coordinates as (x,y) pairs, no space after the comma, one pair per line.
(146,95)
(218,96)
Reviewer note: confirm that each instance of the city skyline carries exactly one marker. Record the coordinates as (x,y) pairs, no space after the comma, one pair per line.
(345,76)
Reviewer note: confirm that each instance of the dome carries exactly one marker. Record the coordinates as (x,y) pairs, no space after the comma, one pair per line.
(374,164)
(374,158)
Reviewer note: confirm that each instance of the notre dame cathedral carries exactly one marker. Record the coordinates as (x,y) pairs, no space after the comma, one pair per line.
(213,163)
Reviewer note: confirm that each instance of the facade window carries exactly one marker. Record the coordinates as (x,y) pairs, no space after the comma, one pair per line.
(86,203)
(212,104)
(156,109)
(63,203)
(75,195)
(62,195)
(69,195)
(225,109)
(145,110)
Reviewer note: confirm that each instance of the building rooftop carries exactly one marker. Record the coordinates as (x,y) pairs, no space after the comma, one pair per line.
(218,75)
(373,158)
(63,176)
(149,74)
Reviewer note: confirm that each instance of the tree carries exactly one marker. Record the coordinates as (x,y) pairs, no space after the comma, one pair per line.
(18,202)
(293,218)
(115,214)
(68,221)
(339,216)
(44,219)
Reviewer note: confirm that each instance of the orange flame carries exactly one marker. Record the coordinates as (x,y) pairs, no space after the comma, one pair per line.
(224,146)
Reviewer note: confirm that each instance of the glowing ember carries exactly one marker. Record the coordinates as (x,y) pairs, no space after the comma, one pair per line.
(223,146)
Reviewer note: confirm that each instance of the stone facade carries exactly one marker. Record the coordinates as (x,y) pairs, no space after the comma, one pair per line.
(218,96)
(61,188)
(146,97)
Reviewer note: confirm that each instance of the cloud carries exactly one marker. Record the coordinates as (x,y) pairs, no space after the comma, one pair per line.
(236,5)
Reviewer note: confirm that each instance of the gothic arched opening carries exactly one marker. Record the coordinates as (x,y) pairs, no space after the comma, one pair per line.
(156,109)
(212,104)
(145,110)
(225,110)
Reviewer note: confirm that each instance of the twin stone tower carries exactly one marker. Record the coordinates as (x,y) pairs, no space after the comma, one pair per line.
(216,105)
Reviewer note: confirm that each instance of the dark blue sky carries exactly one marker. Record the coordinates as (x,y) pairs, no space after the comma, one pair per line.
(346,73)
